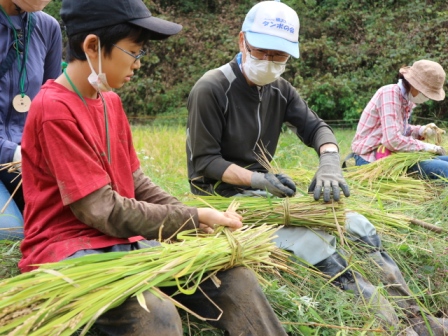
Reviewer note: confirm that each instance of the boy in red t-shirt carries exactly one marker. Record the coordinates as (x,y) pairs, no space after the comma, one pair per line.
(85,191)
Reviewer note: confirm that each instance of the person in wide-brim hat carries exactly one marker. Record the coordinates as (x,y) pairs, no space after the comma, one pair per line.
(384,129)
(427,77)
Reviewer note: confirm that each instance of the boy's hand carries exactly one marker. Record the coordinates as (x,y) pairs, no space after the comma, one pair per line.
(209,218)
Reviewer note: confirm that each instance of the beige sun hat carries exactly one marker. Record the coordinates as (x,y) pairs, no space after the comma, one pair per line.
(427,77)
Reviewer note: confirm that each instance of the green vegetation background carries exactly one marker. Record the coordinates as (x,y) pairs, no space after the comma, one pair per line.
(348,49)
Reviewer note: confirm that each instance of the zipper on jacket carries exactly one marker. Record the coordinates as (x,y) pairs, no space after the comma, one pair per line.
(10,108)
(260,95)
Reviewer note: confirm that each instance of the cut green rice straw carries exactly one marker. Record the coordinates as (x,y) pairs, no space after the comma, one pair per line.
(59,298)
(304,211)
(391,167)
(401,189)
(294,211)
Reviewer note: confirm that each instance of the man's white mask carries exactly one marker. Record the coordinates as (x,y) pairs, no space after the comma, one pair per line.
(262,72)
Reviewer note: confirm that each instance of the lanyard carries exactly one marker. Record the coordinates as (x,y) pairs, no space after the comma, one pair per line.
(85,104)
(26,37)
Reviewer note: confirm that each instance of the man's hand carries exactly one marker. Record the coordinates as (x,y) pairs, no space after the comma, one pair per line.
(209,218)
(279,185)
(329,177)
(286,181)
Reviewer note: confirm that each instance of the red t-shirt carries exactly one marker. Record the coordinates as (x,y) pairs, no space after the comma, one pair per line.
(64,158)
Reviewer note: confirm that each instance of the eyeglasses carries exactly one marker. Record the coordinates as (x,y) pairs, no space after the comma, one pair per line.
(262,54)
(136,57)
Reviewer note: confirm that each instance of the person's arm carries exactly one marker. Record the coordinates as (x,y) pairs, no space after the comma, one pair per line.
(118,216)
(237,175)
(206,121)
(328,147)
(314,132)
(153,214)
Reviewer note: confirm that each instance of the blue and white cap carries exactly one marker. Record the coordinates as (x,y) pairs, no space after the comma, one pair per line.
(273,25)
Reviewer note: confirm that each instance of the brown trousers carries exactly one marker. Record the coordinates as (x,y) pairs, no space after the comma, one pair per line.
(246,311)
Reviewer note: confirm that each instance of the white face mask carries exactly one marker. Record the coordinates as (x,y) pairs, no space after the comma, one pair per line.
(418,99)
(31,5)
(98,81)
(262,72)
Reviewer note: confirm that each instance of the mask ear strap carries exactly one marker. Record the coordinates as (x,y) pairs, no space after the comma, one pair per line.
(90,63)
(245,44)
(100,70)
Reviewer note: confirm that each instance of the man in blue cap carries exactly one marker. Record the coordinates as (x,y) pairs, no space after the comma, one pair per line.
(244,104)
(236,112)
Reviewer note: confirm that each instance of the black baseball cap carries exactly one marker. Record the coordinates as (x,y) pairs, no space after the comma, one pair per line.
(84,15)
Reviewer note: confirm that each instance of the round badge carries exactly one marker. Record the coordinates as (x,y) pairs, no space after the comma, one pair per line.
(21,104)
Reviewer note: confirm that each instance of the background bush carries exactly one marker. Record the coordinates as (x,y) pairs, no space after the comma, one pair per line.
(348,49)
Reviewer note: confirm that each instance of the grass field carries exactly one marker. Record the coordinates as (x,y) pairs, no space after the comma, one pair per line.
(306,303)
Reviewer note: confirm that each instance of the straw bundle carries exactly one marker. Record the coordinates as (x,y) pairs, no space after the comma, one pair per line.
(295,211)
(399,189)
(391,167)
(402,189)
(377,184)
(59,298)
(386,180)
(304,211)
(433,134)
(12,167)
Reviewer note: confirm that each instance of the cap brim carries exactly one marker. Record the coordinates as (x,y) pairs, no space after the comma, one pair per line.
(264,41)
(162,29)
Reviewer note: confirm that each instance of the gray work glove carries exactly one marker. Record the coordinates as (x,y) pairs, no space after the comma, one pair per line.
(279,185)
(329,177)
